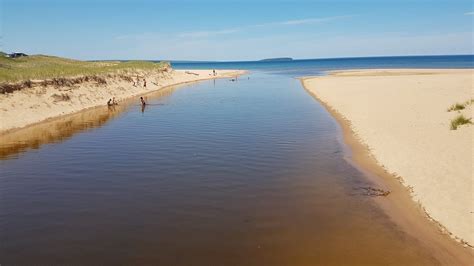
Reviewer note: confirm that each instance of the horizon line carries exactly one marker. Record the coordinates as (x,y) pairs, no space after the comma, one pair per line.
(292,59)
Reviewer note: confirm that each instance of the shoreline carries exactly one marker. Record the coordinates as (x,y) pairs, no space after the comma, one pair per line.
(400,204)
(66,126)
(177,77)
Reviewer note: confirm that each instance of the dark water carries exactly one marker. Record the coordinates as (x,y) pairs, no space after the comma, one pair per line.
(216,173)
(307,67)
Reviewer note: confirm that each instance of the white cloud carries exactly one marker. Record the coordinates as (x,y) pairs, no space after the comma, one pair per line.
(311,20)
(201,34)
(301,45)
(469,14)
(210,33)
(142,36)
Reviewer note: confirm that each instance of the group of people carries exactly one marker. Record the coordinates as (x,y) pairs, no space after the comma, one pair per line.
(138,82)
(112,102)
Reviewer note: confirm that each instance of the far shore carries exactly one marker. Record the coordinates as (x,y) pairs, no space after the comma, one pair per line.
(36,104)
(398,125)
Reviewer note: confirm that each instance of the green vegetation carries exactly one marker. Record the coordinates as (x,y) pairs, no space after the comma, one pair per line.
(459,120)
(41,67)
(456,107)
(460,106)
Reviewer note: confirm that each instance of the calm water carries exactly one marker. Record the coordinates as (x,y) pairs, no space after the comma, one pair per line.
(215,173)
(309,67)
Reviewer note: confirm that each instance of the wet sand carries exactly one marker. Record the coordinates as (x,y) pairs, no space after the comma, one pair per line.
(399,205)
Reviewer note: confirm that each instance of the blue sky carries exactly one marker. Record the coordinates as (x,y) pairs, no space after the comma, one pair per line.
(236,30)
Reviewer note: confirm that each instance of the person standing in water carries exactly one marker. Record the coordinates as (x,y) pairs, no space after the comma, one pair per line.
(143,104)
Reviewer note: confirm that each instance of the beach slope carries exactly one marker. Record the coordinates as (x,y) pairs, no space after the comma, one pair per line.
(402,116)
(39,100)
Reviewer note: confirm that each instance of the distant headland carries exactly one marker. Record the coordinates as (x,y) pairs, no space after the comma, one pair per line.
(277,59)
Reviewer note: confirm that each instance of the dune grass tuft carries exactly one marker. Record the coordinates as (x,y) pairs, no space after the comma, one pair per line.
(456,107)
(460,106)
(458,121)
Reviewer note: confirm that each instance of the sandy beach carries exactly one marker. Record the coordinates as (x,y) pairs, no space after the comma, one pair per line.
(38,103)
(402,117)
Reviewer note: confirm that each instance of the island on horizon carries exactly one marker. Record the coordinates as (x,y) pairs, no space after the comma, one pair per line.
(277,59)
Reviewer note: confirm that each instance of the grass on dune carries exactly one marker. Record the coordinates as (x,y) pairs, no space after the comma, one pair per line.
(460,106)
(40,67)
(458,121)
(456,107)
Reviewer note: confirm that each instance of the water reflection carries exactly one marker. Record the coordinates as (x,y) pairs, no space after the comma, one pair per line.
(60,129)
(246,173)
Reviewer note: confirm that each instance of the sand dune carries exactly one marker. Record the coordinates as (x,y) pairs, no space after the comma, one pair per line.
(32,105)
(401,115)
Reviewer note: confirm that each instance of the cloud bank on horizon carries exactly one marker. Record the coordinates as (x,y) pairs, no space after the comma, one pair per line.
(237,30)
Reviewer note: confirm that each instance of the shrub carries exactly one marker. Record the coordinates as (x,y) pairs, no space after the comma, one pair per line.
(458,121)
(456,107)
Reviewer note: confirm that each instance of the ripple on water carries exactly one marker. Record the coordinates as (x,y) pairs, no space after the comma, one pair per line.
(241,173)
